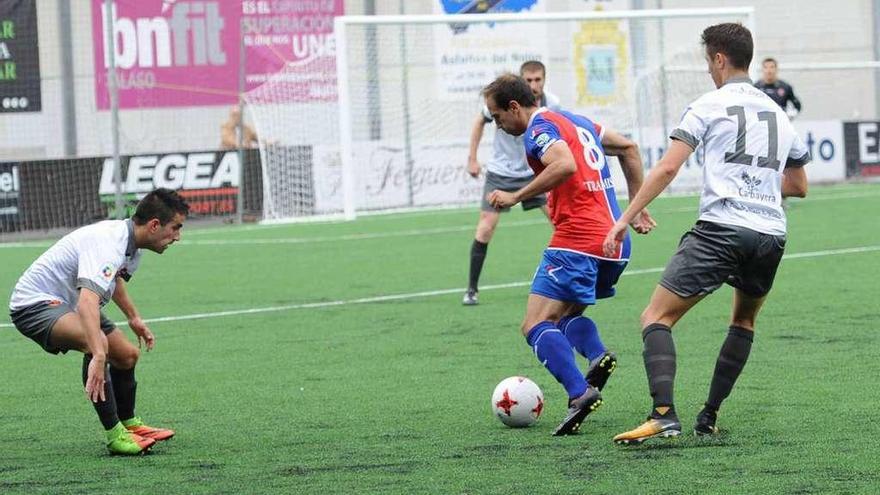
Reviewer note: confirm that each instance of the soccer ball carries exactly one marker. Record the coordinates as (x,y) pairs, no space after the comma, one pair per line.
(517,401)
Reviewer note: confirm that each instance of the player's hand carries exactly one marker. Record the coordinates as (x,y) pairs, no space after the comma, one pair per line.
(473,168)
(95,379)
(501,199)
(144,335)
(643,222)
(613,239)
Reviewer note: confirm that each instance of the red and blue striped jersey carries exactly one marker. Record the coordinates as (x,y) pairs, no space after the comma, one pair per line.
(584,207)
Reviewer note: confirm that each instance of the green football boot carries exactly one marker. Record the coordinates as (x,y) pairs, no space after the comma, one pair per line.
(120,441)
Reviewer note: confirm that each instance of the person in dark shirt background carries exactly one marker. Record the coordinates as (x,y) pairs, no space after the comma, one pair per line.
(778,90)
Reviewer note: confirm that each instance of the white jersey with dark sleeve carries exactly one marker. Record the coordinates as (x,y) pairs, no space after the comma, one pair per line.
(744,142)
(90,257)
(508,155)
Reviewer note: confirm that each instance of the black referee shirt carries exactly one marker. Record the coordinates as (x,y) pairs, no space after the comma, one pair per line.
(781,92)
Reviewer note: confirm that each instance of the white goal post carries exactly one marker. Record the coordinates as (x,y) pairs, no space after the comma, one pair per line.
(407,91)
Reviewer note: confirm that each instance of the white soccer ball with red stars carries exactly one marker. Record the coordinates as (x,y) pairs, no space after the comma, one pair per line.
(517,401)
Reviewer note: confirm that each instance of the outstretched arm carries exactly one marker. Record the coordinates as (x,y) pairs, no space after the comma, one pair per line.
(658,179)
(627,152)
(88,309)
(137,325)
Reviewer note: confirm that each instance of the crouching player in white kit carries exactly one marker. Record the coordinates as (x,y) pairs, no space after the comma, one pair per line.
(752,158)
(57,303)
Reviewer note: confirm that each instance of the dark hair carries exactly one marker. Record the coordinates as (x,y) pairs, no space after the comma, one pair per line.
(161,204)
(532,66)
(731,39)
(508,87)
(770,59)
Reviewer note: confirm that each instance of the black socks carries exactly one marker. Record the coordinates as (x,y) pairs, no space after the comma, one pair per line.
(106,409)
(731,361)
(478,255)
(124,388)
(659,355)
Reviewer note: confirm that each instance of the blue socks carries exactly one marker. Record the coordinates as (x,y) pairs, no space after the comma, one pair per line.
(554,351)
(583,335)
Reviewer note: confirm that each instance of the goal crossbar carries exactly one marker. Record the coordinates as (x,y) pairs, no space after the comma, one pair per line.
(542,16)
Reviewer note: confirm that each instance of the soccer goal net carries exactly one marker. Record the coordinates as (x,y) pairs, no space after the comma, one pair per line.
(387,123)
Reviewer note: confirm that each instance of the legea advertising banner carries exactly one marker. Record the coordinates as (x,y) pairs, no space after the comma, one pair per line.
(71,192)
(173,53)
(208,180)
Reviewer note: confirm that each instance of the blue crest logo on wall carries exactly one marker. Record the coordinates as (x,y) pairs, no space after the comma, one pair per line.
(483,7)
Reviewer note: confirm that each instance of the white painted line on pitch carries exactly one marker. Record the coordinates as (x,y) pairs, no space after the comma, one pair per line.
(400,233)
(187,241)
(460,209)
(307,240)
(807,200)
(832,197)
(354,237)
(831,252)
(441,292)
(438,230)
(34,244)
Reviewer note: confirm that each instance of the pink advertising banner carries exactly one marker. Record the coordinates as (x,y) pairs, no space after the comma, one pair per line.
(174,53)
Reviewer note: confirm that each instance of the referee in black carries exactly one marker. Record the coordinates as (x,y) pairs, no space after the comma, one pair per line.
(778,90)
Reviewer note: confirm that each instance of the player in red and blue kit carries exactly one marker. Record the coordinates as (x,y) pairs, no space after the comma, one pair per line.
(568,155)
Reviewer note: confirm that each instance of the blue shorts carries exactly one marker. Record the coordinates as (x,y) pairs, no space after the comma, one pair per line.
(574,277)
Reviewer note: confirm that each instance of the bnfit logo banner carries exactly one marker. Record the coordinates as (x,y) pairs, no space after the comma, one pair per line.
(171,53)
(193,27)
(209,180)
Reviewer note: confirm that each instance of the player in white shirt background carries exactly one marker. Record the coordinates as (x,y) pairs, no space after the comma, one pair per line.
(751,158)
(507,170)
(57,303)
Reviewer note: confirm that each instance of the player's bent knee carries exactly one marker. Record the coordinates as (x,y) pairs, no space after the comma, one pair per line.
(486,229)
(663,312)
(125,357)
(647,317)
(651,317)
(128,360)
(530,322)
